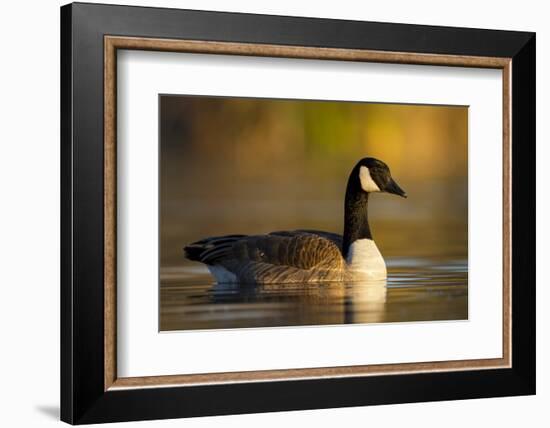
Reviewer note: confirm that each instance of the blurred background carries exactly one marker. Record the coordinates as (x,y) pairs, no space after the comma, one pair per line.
(235,165)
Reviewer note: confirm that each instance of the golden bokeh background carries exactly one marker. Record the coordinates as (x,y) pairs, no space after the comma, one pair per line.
(242,165)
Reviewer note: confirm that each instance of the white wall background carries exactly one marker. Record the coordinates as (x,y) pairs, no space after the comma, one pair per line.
(29,213)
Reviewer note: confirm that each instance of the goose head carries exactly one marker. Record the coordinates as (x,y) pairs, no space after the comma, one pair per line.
(373,175)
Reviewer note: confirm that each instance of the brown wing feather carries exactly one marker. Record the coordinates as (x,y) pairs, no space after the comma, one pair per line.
(300,250)
(284,256)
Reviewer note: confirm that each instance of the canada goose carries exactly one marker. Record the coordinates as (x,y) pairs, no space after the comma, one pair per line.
(306,255)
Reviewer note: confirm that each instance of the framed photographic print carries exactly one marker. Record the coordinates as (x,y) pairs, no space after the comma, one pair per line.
(265,213)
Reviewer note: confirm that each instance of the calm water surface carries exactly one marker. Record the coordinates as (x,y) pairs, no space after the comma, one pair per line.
(417,289)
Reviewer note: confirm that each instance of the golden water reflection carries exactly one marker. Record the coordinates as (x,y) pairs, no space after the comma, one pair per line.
(416,290)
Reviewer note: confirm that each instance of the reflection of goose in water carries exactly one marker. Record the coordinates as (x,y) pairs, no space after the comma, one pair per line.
(298,303)
(305,256)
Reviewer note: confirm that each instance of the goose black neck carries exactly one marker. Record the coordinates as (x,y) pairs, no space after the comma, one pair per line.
(356,221)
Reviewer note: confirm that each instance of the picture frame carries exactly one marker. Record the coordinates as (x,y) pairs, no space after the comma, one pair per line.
(91,35)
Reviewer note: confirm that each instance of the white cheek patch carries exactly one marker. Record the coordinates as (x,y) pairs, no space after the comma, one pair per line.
(367,183)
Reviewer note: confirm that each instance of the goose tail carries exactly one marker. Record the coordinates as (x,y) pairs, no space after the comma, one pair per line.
(210,250)
(193,252)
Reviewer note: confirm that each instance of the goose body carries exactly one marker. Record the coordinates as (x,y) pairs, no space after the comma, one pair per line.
(306,256)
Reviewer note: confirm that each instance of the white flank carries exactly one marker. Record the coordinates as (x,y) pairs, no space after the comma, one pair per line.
(364,259)
(222,275)
(367,183)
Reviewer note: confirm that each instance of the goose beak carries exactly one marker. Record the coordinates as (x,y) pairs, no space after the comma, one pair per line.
(393,187)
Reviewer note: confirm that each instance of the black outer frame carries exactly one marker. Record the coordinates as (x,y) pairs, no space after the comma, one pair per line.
(83,399)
